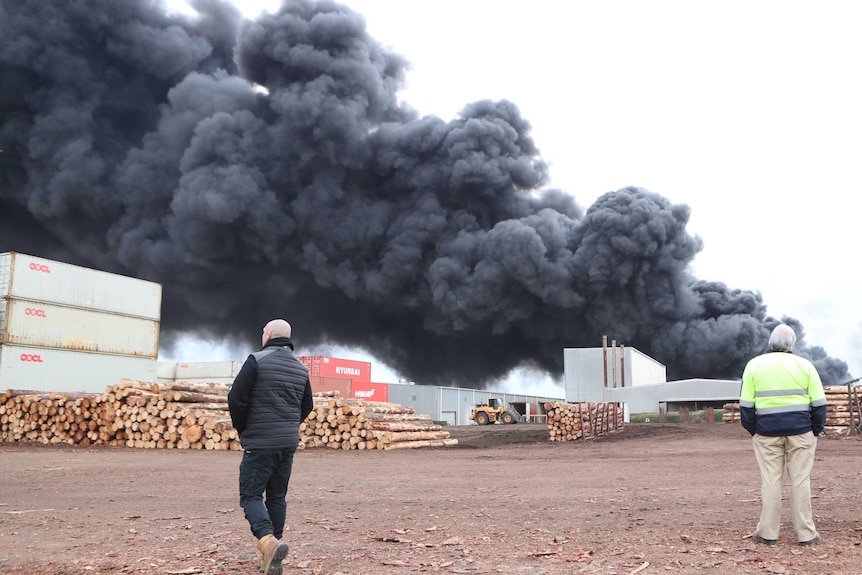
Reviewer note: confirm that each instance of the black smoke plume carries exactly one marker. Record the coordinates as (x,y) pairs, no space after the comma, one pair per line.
(267,168)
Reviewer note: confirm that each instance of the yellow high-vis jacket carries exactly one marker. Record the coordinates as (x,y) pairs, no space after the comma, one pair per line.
(781,395)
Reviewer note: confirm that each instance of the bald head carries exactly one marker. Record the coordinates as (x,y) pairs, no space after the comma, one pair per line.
(275,328)
(783,338)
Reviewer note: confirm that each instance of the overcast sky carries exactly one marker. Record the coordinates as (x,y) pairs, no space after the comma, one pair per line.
(749,112)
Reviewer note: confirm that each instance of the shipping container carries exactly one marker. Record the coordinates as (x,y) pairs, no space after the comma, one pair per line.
(370,391)
(198,372)
(319,384)
(40,324)
(37,279)
(166,371)
(324,366)
(59,370)
(187,371)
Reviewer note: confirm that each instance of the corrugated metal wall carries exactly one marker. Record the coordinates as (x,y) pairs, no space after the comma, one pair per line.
(38,279)
(39,324)
(326,366)
(644,369)
(588,370)
(647,398)
(584,373)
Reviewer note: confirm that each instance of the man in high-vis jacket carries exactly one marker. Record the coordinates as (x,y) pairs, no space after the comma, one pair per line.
(783,406)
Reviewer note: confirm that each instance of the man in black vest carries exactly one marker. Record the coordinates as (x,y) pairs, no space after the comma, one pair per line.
(270,397)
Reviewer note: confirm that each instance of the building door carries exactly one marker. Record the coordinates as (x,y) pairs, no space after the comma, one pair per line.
(450,417)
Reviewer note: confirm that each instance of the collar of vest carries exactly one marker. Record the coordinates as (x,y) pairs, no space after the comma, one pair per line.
(279,342)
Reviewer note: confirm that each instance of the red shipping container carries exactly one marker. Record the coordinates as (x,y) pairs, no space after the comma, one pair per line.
(324,366)
(371,391)
(342,386)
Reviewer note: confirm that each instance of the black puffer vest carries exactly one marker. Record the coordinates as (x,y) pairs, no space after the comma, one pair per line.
(275,402)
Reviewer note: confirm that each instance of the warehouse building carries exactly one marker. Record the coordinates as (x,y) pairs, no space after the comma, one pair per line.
(453,405)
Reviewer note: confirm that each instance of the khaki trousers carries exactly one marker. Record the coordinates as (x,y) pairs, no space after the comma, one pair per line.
(796,453)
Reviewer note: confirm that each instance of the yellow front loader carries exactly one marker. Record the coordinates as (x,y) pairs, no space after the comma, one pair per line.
(492,412)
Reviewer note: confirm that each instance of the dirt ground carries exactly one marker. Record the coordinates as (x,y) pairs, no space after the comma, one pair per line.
(654,498)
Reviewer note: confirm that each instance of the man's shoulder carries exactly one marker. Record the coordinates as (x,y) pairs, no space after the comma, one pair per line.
(757,359)
(258,355)
(282,355)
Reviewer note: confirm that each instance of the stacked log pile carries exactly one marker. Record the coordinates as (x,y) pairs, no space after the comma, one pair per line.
(195,416)
(131,413)
(842,409)
(731,413)
(569,421)
(33,415)
(344,423)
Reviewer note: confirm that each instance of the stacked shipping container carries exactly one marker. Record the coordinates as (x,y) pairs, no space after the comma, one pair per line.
(369,391)
(67,328)
(350,378)
(336,367)
(353,381)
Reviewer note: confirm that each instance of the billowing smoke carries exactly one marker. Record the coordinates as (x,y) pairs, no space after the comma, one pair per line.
(267,168)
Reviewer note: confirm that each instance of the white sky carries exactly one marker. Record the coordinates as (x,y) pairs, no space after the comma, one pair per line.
(748,111)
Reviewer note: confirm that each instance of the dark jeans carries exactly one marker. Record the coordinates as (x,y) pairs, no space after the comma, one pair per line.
(265,471)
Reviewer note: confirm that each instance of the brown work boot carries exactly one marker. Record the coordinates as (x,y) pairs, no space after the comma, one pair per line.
(274,552)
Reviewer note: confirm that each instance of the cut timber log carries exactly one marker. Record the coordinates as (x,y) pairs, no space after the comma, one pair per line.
(134,384)
(417,444)
(402,426)
(180,396)
(210,388)
(387,409)
(396,436)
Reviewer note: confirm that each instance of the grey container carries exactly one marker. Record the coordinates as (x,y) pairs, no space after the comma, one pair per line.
(198,371)
(219,380)
(38,324)
(165,371)
(63,371)
(201,370)
(38,279)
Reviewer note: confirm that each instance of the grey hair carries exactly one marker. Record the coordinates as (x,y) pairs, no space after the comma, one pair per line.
(783,338)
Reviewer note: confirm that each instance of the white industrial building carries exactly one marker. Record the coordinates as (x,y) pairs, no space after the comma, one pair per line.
(628,376)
